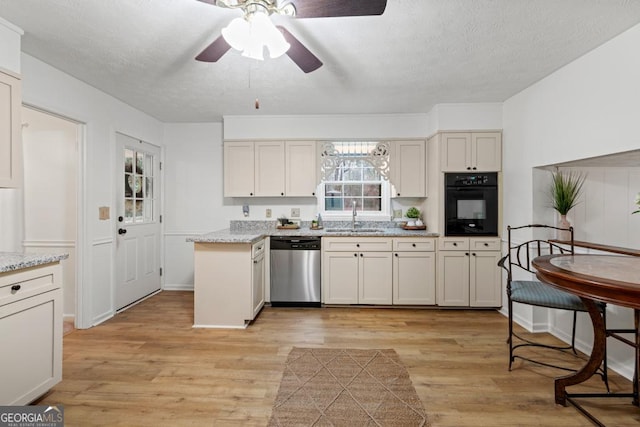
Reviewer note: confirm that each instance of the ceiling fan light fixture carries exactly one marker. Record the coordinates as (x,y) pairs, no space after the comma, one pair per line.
(251,34)
(237,33)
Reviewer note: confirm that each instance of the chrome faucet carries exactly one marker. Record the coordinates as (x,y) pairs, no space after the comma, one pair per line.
(353,216)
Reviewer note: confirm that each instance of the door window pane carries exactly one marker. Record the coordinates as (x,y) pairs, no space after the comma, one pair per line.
(138,186)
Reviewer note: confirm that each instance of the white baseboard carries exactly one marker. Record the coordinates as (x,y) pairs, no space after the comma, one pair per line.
(178,287)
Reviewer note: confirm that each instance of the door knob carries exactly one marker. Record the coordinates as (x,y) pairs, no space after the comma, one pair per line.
(122,231)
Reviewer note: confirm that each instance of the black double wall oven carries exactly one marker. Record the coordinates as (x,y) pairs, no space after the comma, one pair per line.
(471,204)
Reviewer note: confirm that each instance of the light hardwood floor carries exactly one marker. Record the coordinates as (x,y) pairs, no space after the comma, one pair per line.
(148,367)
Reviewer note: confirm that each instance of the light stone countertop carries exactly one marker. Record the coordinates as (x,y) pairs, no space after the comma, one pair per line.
(245,236)
(13,261)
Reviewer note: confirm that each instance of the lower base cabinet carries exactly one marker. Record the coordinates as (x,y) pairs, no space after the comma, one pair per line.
(229,283)
(31,331)
(382,271)
(468,272)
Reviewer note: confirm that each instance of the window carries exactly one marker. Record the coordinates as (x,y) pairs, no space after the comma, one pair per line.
(353,173)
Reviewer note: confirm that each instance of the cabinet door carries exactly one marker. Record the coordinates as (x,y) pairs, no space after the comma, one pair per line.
(340,277)
(376,278)
(31,359)
(300,174)
(269,168)
(408,168)
(455,152)
(257,291)
(453,278)
(486,151)
(485,287)
(238,169)
(414,278)
(11,135)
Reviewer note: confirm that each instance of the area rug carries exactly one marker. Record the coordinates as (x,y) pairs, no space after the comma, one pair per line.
(346,387)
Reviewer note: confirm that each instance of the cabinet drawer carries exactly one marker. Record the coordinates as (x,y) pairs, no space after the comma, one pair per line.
(454,244)
(485,244)
(350,244)
(258,248)
(18,286)
(413,245)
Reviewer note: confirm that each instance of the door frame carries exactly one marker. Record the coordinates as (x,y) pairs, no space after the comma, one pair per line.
(117,176)
(82,316)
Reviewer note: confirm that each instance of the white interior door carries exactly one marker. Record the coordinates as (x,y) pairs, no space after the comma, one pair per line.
(138,221)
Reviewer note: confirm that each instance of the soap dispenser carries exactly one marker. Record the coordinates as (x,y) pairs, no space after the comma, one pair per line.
(319,221)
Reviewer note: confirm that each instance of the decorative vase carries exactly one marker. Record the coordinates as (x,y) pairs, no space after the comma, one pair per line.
(564,235)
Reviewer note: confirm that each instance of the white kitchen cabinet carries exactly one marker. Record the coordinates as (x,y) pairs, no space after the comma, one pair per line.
(31,331)
(228,284)
(414,271)
(408,168)
(258,277)
(301,168)
(357,270)
(471,152)
(468,274)
(239,168)
(11,135)
(269,168)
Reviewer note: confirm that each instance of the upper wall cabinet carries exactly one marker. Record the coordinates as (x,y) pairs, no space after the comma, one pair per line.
(301,168)
(408,168)
(238,169)
(269,168)
(466,151)
(10,131)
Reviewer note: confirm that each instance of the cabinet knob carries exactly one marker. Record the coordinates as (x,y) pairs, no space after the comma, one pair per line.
(16,288)
(361,255)
(468,168)
(357,245)
(396,254)
(398,194)
(282,194)
(486,244)
(251,194)
(313,194)
(474,254)
(413,244)
(355,255)
(255,261)
(474,168)
(455,244)
(466,253)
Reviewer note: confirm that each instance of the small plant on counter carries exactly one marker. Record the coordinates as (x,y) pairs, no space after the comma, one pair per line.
(413,213)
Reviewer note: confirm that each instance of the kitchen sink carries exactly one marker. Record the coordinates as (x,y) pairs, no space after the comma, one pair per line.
(356,230)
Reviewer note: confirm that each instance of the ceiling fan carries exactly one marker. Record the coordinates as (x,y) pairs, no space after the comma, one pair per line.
(242,33)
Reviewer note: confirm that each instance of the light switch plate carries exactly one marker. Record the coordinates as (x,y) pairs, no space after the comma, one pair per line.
(295,212)
(103,213)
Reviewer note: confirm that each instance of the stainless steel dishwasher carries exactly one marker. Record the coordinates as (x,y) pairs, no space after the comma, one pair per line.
(295,271)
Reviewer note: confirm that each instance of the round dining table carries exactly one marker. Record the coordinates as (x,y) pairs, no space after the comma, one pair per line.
(594,278)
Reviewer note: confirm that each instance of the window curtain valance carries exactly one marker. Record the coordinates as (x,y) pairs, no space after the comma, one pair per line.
(332,153)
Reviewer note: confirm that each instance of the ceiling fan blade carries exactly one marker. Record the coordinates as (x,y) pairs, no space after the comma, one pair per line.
(299,54)
(336,8)
(214,51)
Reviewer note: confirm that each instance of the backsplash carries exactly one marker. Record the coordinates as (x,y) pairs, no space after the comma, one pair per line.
(243,226)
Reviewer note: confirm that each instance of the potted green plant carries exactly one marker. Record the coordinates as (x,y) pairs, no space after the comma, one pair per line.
(413,214)
(564,191)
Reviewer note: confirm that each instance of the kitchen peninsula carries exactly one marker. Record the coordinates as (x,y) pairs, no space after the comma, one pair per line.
(231,267)
(30,325)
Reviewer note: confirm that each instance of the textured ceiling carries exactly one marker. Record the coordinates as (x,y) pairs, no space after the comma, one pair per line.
(417,54)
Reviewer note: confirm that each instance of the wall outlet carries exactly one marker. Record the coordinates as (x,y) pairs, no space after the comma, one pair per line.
(268,213)
(245,210)
(397,213)
(295,212)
